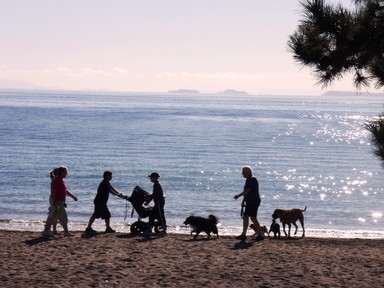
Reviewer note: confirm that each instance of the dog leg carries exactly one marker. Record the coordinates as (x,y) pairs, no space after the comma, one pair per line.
(302,226)
(284,230)
(197,233)
(289,230)
(294,224)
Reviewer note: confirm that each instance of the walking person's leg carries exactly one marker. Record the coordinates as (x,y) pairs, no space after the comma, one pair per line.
(162,218)
(63,218)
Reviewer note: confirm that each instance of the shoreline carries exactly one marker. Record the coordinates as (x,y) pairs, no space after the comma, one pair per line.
(38,226)
(121,260)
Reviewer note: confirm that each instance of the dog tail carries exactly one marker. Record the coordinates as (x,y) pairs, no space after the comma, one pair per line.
(304,209)
(213,218)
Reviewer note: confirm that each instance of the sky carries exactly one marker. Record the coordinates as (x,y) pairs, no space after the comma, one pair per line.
(155,46)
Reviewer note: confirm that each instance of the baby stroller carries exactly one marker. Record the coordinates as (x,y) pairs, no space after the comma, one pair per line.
(137,199)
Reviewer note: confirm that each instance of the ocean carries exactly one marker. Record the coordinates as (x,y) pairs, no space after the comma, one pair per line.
(304,150)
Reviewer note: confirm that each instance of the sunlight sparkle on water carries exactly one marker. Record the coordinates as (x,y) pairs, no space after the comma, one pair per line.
(346,190)
(357,182)
(367,173)
(290,187)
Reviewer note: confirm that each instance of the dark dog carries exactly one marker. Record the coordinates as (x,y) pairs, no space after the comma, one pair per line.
(275,229)
(200,224)
(290,217)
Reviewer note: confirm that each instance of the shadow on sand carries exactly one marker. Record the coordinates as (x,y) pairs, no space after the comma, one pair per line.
(39,240)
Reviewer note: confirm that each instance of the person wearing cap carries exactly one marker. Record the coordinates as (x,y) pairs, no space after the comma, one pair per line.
(158,198)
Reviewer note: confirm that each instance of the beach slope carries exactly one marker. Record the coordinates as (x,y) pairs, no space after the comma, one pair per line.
(123,260)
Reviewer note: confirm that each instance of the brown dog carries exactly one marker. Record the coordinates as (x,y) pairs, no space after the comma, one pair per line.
(263,228)
(290,217)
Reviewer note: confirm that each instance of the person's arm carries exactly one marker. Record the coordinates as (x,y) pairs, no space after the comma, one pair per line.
(115,192)
(69,193)
(245,192)
(53,193)
(157,193)
(149,199)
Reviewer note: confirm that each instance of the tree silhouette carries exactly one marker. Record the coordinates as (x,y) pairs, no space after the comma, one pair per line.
(334,41)
(376,127)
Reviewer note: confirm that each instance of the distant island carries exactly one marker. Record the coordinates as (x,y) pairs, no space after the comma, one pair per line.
(16,84)
(184,91)
(233,92)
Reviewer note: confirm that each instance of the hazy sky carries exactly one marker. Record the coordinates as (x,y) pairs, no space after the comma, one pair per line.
(155,45)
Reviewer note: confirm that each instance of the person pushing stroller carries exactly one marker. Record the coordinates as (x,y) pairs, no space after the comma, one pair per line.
(100,201)
(158,198)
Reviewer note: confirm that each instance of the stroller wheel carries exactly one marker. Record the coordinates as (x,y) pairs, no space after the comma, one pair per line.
(158,228)
(138,227)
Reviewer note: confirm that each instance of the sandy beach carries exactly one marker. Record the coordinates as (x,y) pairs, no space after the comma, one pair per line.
(123,260)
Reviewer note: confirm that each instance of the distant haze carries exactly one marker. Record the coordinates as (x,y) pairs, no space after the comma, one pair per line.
(154,46)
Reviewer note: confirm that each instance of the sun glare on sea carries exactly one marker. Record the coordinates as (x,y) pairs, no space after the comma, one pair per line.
(376,216)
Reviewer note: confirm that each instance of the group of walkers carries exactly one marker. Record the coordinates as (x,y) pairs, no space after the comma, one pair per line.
(59,191)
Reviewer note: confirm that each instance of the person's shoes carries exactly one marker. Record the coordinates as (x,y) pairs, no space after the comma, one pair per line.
(68,234)
(55,233)
(241,237)
(259,238)
(47,233)
(109,230)
(163,233)
(89,230)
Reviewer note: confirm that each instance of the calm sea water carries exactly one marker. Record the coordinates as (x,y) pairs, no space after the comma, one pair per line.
(305,151)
